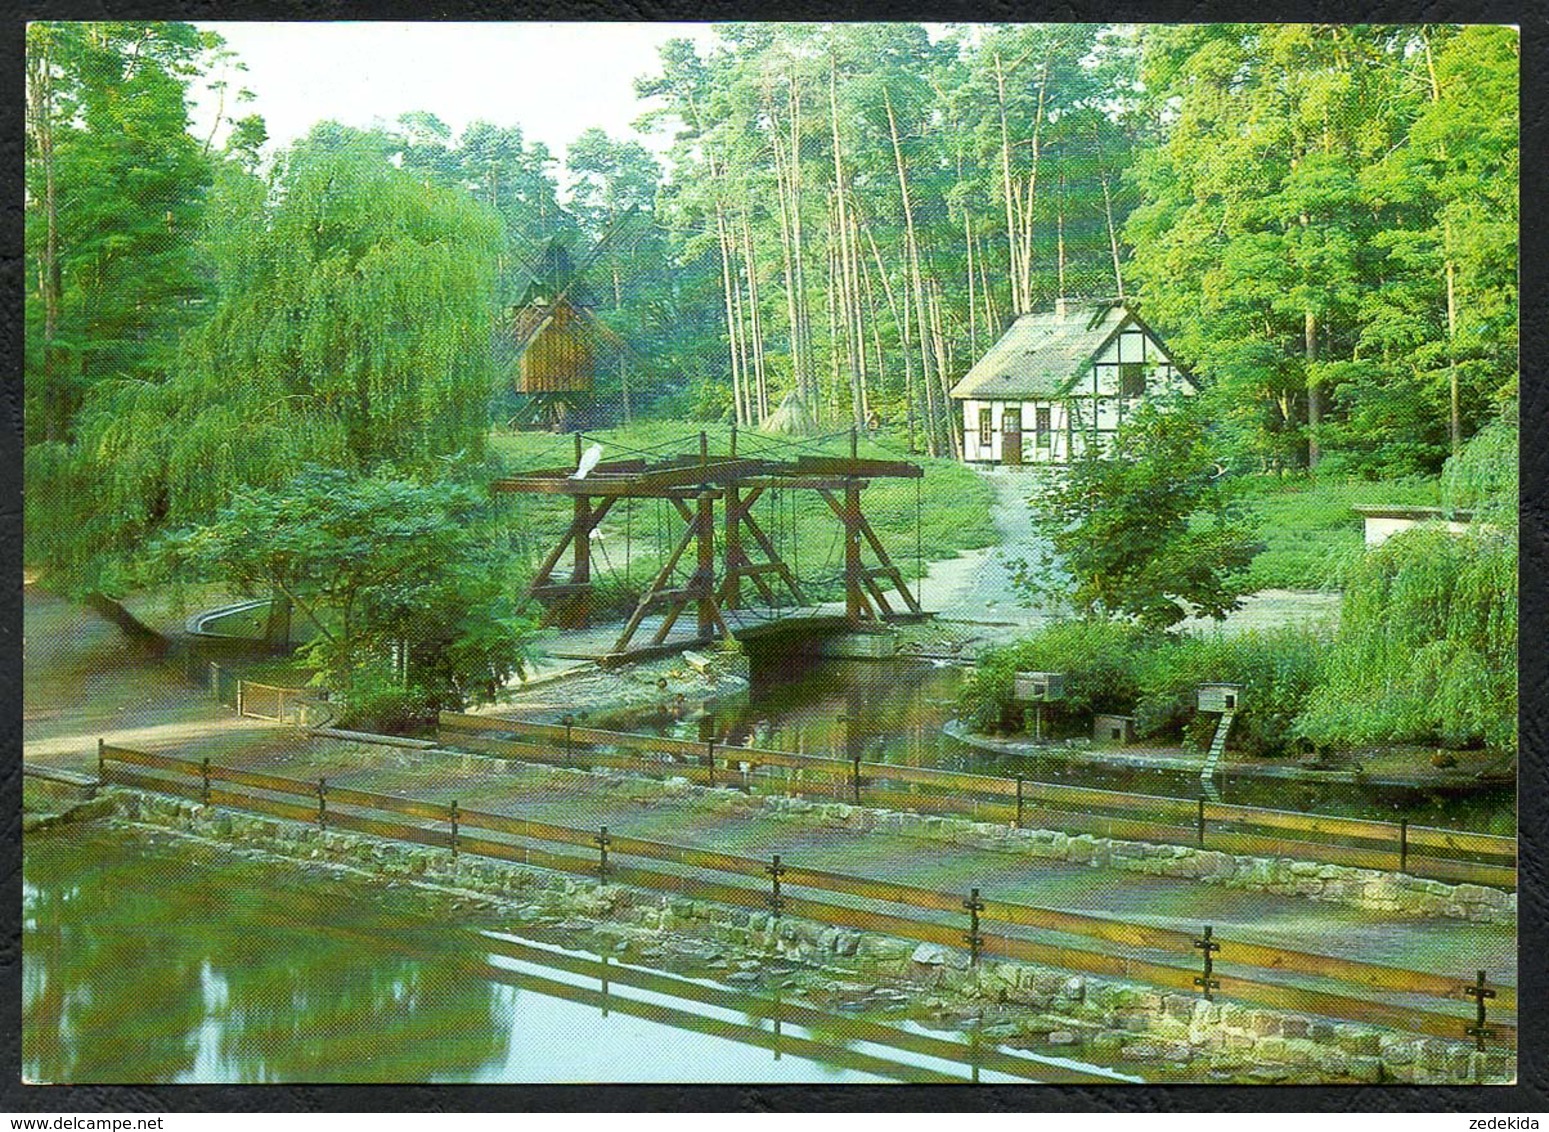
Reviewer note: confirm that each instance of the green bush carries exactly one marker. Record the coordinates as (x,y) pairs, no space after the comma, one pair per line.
(1093,654)
(376,701)
(1427,648)
(1427,645)
(1155,677)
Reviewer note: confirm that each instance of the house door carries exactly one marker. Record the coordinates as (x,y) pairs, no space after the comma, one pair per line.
(1011,436)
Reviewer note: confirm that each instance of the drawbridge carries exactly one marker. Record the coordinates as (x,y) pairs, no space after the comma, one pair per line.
(722,563)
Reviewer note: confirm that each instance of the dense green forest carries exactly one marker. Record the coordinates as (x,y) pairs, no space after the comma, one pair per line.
(1320,219)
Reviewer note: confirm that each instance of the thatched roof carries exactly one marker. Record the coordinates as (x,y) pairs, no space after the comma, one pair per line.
(792,418)
(1042,354)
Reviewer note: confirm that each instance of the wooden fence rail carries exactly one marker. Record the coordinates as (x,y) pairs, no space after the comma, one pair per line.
(1309,992)
(1443,854)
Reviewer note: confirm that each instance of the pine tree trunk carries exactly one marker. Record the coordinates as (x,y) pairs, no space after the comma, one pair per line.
(727,293)
(973,315)
(853,348)
(760,387)
(1314,397)
(921,322)
(1015,270)
(788,256)
(903,333)
(1028,208)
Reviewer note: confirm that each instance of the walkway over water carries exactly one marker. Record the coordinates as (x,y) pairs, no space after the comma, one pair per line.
(697,486)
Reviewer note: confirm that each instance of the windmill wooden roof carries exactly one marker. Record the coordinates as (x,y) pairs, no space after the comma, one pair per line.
(1044,353)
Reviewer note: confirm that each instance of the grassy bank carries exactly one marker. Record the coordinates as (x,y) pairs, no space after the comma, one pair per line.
(953,501)
(1311,534)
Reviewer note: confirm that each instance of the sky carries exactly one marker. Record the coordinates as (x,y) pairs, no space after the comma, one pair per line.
(553,80)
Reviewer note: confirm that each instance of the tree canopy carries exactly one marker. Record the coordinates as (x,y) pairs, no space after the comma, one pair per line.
(1147,530)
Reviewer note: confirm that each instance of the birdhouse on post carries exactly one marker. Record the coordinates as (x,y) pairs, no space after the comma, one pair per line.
(1220,697)
(1037,687)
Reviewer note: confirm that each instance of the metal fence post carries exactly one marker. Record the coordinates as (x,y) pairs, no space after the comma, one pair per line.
(102,762)
(204,774)
(1201,821)
(239,697)
(710,752)
(1479,1031)
(602,841)
(857,780)
(569,748)
(1019,801)
(1403,845)
(775,871)
(454,829)
(975,941)
(322,803)
(1204,982)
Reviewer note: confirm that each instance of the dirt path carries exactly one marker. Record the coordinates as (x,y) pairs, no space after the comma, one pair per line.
(978,586)
(82,680)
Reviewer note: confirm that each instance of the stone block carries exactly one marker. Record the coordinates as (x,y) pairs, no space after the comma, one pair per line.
(1272,1048)
(1358,1040)
(1263,1023)
(1152,1050)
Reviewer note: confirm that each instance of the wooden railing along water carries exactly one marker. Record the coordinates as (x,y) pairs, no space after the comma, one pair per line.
(1442,854)
(1423,1002)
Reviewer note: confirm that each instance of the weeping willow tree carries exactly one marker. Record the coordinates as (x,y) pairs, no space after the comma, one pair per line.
(350,327)
(1427,646)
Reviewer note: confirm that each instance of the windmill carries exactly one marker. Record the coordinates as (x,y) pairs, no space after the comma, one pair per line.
(559,341)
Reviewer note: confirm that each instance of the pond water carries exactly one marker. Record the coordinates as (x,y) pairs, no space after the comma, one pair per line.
(896,711)
(152,958)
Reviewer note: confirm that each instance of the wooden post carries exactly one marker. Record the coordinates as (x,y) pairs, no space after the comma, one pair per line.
(578,608)
(1403,845)
(454,830)
(704,576)
(732,587)
(102,762)
(1019,801)
(1202,822)
(854,598)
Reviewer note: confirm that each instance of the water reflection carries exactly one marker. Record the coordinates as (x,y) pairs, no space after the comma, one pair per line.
(895,712)
(152,959)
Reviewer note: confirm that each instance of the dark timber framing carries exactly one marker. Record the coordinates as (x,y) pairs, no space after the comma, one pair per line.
(693,484)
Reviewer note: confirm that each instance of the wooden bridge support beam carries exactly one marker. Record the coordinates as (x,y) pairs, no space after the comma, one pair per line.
(858,580)
(739,564)
(856,607)
(570,602)
(704,577)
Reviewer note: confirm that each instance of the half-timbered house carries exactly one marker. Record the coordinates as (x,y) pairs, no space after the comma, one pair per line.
(1058,382)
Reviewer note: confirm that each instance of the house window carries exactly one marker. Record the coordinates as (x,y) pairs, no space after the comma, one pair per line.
(986,428)
(1041,419)
(1132,379)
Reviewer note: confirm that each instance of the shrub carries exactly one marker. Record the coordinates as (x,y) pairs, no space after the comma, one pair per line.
(1155,677)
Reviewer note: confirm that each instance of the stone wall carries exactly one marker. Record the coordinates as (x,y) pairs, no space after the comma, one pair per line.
(1168,1036)
(1391,893)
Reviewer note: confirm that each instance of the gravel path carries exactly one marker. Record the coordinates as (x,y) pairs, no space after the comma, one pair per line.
(977,586)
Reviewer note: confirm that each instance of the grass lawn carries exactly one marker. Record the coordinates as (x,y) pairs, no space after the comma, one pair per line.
(1309,530)
(637,535)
